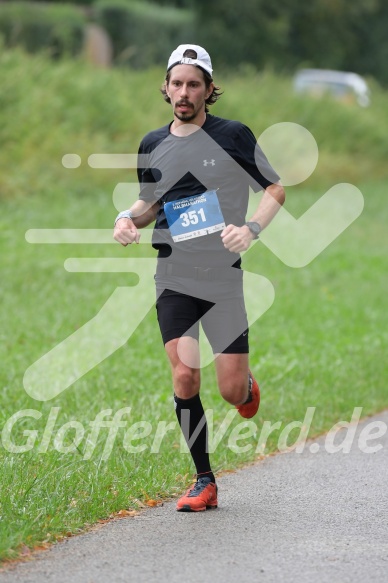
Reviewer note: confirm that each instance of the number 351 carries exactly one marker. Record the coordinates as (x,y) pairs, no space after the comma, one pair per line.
(192,217)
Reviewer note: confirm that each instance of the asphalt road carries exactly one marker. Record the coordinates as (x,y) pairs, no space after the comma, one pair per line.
(310,517)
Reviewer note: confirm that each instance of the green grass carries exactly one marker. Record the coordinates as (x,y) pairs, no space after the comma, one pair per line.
(322,344)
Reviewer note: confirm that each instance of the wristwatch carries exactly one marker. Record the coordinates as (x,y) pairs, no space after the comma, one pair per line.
(255,229)
(123,215)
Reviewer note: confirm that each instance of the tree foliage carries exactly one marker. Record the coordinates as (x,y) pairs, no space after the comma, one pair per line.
(335,34)
(284,35)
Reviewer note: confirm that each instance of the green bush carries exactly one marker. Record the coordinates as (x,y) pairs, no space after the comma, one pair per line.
(56,28)
(144,34)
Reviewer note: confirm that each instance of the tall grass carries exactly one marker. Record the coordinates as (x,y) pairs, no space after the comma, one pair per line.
(48,110)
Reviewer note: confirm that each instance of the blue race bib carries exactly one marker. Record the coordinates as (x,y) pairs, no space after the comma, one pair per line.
(194,216)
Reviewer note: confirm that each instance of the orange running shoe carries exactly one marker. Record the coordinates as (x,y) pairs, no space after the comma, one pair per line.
(201,496)
(250,408)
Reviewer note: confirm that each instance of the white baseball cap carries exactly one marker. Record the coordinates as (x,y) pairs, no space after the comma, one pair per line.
(203,59)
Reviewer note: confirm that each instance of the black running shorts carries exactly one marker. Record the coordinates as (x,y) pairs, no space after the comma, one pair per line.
(224,323)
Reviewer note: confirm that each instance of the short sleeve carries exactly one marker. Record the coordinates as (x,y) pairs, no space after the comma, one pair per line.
(146,179)
(253,160)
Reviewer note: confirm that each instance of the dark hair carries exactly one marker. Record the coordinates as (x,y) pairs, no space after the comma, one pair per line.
(213,97)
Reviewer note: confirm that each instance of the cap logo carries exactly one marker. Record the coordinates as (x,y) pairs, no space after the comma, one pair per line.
(187,61)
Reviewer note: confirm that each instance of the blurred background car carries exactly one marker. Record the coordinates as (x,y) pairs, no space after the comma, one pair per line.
(343,86)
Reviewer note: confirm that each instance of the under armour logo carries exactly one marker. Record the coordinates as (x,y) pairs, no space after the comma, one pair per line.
(206,162)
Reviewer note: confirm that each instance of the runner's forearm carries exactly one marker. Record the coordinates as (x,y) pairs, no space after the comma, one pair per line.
(143,214)
(273,198)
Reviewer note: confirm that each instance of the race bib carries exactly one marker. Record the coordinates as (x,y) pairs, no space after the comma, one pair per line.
(194,216)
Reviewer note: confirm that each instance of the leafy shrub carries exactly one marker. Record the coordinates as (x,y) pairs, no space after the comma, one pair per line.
(58,28)
(144,34)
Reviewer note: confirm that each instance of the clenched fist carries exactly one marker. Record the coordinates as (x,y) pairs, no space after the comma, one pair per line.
(125,232)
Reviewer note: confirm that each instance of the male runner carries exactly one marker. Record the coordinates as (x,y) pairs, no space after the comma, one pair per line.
(194,175)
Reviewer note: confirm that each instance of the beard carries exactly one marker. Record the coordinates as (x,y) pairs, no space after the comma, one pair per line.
(185,115)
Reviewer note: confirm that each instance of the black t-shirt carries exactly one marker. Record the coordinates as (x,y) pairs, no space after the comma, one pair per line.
(222,155)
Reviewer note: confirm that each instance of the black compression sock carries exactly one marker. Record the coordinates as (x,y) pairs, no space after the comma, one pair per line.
(207,475)
(192,420)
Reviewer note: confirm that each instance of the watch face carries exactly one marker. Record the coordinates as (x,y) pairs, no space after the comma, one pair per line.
(254,228)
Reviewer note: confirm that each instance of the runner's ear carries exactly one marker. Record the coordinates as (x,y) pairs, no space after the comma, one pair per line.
(210,90)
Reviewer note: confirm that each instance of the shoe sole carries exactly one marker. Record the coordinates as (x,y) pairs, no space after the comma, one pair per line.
(187,508)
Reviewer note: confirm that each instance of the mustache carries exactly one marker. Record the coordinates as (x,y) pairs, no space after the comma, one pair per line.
(184,102)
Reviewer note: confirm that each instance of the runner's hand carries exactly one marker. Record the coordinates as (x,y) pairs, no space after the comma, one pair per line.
(125,232)
(236,239)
